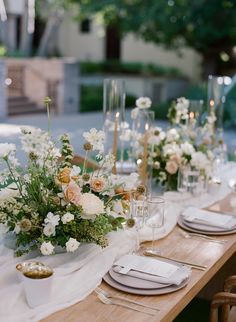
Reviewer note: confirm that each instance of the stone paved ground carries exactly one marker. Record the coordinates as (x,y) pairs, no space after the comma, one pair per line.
(75,125)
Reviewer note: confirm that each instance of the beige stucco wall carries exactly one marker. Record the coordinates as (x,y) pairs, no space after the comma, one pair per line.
(134,49)
(14,6)
(84,46)
(90,46)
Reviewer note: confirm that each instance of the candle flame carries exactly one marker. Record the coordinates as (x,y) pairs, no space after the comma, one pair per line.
(212,103)
(117,115)
(191,115)
(146,127)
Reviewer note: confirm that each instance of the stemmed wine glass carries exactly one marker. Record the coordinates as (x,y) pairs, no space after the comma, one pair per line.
(155,219)
(138,211)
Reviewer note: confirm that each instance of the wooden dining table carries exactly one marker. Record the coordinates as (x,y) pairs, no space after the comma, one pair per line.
(175,245)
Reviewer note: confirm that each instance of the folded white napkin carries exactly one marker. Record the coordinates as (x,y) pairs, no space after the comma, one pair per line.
(209,218)
(151,269)
(181,274)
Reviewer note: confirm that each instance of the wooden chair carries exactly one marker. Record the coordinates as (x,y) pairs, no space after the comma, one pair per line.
(226,301)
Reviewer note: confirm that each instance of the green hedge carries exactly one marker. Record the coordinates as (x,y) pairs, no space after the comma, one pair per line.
(92,98)
(135,68)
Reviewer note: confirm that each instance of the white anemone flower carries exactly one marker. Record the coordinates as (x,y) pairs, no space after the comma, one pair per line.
(143,102)
(96,139)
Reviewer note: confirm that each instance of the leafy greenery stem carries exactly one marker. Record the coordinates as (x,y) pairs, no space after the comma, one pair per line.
(85,162)
(17,182)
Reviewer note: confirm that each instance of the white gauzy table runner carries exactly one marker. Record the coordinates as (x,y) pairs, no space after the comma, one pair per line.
(77,275)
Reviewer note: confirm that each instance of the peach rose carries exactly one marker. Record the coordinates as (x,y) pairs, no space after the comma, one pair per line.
(72,193)
(171,167)
(64,175)
(176,158)
(97,184)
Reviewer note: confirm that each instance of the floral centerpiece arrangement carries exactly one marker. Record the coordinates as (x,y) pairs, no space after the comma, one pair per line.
(180,146)
(169,153)
(52,202)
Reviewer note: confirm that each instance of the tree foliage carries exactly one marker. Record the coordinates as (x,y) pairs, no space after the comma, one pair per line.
(208,26)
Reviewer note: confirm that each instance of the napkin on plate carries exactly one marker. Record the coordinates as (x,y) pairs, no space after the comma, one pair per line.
(204,217)
(140,267)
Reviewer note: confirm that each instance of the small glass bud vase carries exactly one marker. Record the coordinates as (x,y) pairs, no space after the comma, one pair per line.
(192,180)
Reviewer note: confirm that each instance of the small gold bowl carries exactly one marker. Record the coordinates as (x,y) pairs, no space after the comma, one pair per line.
(22,267)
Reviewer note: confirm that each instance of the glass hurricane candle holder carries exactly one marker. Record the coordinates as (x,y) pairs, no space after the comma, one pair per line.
(114,117)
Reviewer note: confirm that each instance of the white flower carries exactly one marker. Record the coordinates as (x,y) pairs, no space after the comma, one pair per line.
(52,219)
(72,245)
(107,162)
(91,205)
(143,102)
(96,138)
(182,105)
(75,171)
(162,176)
(36,141)
(200,161)
(49,230)
(172,135)
(46,248)
(170,149)
(187,148)
(6,149)
(67,217)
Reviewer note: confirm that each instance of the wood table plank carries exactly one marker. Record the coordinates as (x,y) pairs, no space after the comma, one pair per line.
(202,252)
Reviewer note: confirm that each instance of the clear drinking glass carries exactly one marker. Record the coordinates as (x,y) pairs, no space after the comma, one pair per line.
(190,180)
(155,219)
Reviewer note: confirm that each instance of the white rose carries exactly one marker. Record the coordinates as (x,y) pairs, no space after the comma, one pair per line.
(46,248)
(67,217)
(49,230)
(172,135)
(187,148)
(72,245)
(52,219)
(91,205)
(143,102)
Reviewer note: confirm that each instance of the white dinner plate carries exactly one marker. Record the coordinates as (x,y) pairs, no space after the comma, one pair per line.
(135,282)
(207,230)
(164,290)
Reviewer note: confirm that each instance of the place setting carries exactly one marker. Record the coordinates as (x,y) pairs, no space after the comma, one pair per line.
(207,222)
(147,276)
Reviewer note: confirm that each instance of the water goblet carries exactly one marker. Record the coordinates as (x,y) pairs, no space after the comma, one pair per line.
(155,219)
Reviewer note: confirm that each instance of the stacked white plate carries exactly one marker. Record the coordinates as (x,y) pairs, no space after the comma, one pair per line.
(147,276)
(207,222)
